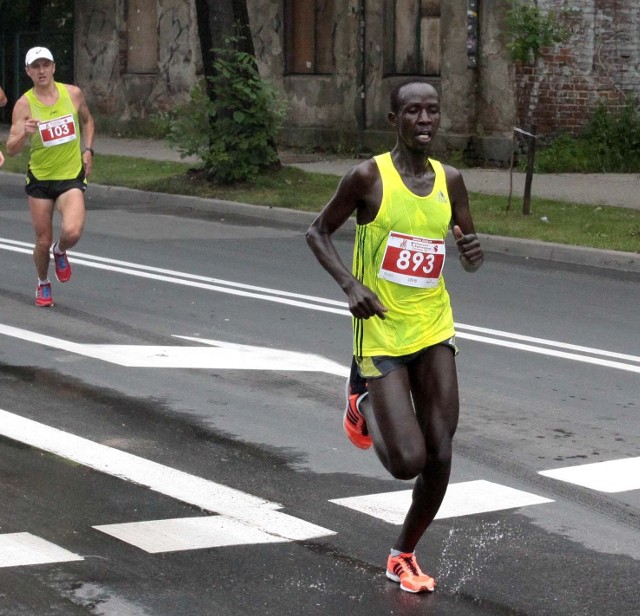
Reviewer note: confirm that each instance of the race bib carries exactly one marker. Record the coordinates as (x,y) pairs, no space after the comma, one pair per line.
(412,261)
(60,130)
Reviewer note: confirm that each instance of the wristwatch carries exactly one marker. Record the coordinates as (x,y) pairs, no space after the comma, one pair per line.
(89,150)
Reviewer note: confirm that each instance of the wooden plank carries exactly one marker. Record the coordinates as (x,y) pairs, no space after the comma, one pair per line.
(430,45)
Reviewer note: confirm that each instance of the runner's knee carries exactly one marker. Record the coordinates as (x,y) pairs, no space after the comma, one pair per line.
(406,462)
(43,241)
(72,236)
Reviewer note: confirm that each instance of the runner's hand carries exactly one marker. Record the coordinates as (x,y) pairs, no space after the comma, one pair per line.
(471,255)
(87,159)
(31,126)
(364,303)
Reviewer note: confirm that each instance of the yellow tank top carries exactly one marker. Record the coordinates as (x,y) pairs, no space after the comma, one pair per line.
(55,147)
(399,256)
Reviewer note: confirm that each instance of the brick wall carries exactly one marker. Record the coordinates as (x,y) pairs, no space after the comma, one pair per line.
(600,62)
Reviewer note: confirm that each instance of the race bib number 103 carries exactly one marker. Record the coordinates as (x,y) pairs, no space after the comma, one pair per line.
(55,132)
(413,261)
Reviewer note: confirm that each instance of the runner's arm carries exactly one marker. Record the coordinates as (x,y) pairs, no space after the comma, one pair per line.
(467,242)
(351,193)
(87,126)
(3,98)
(22,127)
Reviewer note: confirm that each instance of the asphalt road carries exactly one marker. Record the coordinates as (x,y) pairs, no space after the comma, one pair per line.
(170,438)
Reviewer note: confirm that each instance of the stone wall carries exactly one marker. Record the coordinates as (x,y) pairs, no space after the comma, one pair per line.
(599,63)
(102,47)
(345,109)
(349,108)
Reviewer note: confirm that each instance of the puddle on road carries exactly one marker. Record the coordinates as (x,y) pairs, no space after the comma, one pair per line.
(103,602)
(477,549)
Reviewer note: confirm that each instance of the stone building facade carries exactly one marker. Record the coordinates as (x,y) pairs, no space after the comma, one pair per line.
(335,62)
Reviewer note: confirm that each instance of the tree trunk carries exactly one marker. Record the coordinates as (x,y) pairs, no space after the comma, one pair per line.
(218,19)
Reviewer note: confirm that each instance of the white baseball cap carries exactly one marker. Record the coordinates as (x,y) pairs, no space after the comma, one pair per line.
(37,53)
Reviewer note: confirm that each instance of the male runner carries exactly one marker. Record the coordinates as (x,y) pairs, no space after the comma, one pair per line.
(403,397)
(54,118)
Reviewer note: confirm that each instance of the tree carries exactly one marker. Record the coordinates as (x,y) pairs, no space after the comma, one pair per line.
(231,75)
(529,31)
(217,20)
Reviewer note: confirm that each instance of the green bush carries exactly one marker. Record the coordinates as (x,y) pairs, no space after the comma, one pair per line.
(615,138)
(529,30)
(610,143)
(231,120)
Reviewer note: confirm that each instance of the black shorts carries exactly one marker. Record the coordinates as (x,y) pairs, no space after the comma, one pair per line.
(377,366)
(52,189)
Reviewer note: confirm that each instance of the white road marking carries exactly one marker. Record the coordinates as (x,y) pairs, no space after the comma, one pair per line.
(179,534)
(612,476)
(470,332)
(467,498)
(190,280)
(17,549)
(550,343)
(223,355)
(250,510)
(607,363)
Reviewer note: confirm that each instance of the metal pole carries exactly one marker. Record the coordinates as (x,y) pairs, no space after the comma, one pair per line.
(531,157)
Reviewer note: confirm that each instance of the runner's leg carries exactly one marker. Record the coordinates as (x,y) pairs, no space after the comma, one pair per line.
(392,423)
(41,218)
(70,204)
(434,385)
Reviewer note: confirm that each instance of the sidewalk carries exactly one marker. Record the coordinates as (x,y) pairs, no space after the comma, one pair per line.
(617,189)
(596,189)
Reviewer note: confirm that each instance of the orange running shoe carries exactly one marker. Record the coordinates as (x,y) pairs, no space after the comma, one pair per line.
(405,569)
(43,295)
(62,265)
(354,423)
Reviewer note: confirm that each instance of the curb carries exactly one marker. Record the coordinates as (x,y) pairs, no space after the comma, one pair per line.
(283,217)
(562,253)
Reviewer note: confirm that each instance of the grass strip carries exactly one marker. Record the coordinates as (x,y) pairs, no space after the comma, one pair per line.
(604,227)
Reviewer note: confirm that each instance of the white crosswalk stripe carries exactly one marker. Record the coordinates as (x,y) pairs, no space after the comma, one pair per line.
(188,534)
(466,498)
(18,549)
(611,476)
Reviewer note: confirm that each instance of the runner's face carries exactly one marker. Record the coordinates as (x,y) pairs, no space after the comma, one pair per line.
(41,72)
(418,117)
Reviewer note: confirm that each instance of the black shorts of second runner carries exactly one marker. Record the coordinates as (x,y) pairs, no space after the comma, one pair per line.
(377,366)
(52,189)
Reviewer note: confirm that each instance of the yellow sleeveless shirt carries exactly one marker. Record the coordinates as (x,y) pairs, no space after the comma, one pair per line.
(55,148)
(399,256)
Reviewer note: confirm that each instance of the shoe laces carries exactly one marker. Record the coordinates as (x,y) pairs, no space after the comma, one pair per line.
(409,562)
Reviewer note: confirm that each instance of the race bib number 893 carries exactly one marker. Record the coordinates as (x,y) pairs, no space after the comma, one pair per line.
(412,261)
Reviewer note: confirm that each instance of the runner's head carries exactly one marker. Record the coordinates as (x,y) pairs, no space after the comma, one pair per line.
(415,114)
(40,66)
(396,95)
(37,53)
